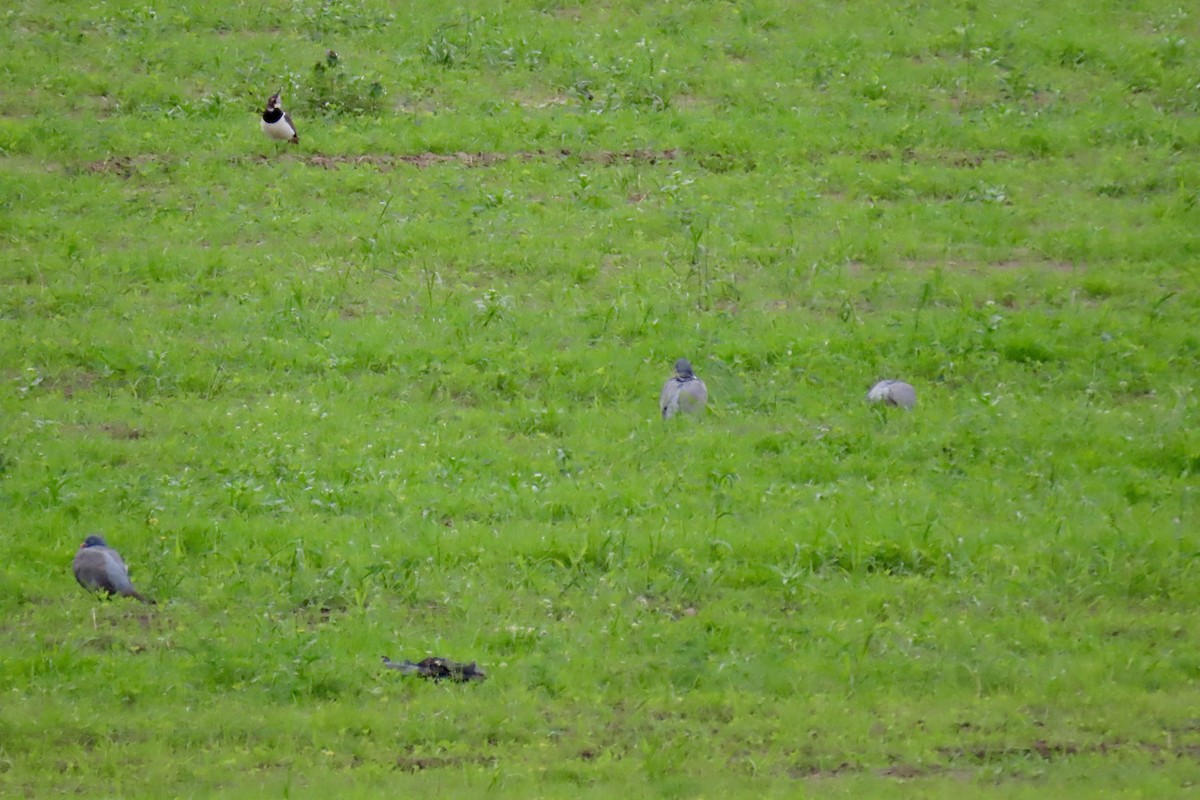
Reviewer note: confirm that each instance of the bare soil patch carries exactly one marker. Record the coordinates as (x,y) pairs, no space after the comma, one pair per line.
(960,160)
(962,761)
(487,159)
(422,763)
(127,166)
(124,166)
(122,430)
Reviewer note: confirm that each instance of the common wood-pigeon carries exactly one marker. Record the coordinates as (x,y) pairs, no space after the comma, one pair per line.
(99,568)
(683,392)
(893,393)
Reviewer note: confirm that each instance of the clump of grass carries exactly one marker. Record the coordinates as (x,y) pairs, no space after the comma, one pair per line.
(331,90)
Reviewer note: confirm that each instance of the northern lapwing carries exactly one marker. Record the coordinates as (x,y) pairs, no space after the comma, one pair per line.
(893,393)
(277,123)
(438,669)
(99,568)
(683,391)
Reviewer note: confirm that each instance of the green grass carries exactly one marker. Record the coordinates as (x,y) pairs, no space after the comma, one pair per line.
(393,391)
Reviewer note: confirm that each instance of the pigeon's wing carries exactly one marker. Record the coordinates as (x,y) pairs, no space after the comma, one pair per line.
(902,394)
(91,570)
(116,571)
(668,401)
(118,575)
(693,396)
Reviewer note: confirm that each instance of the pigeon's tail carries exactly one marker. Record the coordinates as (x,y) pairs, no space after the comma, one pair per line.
(139,596)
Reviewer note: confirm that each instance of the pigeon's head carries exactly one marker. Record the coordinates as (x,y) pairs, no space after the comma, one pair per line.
(93,541)
(683,368)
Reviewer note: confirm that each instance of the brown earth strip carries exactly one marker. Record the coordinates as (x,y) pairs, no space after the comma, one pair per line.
(422,763)
(961,760)
(126,166)
(423,160)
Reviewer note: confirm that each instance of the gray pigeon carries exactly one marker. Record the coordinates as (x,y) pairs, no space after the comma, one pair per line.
(683,392)
(98,567)
(893,393)
(438,669)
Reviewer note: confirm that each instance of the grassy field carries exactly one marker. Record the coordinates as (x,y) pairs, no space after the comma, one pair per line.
(393,391)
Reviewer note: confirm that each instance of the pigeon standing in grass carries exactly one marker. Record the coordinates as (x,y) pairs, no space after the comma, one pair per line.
(277,123)
(683,391)
(893,393)
(98,567)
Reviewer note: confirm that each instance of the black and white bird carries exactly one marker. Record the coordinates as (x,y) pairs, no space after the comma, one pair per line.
(683,392)
(277,123)
(99,568)
(893,393)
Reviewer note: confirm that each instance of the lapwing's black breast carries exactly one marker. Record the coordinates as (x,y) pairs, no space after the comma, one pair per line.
(272,116)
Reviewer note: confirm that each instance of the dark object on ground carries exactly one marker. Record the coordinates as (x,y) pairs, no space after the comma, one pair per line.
(98,567)
(437,669)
